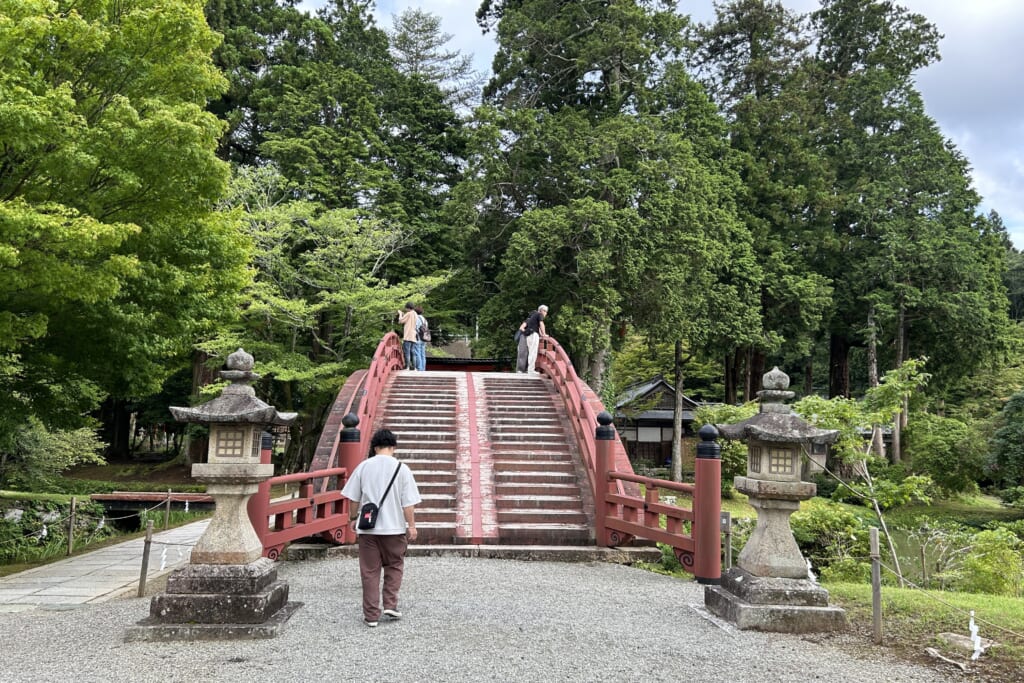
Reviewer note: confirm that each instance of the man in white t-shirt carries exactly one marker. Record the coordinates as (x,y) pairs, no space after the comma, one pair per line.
(383,547)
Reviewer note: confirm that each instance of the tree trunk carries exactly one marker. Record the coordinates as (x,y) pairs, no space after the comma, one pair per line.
(597,371)
(898,423)
(757,363)
(729,365)
(116,429)
(877,443)
(677,416)
(748,387)
(839,367)
(809,377)
(202,374)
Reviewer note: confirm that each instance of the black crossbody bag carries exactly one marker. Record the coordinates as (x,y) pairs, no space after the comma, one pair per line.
(368,513)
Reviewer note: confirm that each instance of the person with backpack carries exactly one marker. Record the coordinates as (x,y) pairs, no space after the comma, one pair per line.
(383,495)
(531,332)
(408,320)
(422,337)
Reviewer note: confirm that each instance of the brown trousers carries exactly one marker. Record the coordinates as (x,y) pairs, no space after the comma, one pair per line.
(377,553)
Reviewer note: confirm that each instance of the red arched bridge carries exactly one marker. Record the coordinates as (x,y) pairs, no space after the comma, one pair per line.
(500,458)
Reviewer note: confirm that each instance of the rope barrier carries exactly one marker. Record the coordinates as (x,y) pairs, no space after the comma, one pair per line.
(951,606)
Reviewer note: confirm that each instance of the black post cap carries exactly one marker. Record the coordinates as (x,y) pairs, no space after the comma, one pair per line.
(708,448)
(605,431)
(350,432)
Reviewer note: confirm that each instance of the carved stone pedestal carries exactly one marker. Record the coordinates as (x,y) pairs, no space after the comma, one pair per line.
(772,604)
(218,601)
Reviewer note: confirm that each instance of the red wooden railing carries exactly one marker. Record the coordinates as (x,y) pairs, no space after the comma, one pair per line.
(581,406)
(621,514)
(324,514)
(320,508)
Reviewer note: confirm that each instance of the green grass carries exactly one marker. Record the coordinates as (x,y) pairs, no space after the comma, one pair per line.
(911,620)
(36,497)
(970,510)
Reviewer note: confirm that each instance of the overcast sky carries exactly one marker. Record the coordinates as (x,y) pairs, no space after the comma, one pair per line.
(976,93)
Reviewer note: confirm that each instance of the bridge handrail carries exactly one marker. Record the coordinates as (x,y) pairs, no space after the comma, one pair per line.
(386,360)
(316,474)
(359,395)
(579,399)
(650,482)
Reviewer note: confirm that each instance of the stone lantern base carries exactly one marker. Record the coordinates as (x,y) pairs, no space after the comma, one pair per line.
(769,604)
(218,602)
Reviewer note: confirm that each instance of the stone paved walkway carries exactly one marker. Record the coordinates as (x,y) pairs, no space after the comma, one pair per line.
(99,575)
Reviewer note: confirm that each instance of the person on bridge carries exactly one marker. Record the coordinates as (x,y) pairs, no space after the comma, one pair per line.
(422,335)
(408,319)
(532,331)
(383,547)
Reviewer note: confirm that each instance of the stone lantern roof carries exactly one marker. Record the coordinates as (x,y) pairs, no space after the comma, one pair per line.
(237,404)
(776,422)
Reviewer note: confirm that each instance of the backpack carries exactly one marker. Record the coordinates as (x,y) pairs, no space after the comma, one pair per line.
(423,330)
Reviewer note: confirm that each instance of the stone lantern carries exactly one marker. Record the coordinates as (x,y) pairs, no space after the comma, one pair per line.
(769,588)
(229,590)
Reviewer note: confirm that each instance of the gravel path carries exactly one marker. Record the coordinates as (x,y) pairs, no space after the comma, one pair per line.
(465,620)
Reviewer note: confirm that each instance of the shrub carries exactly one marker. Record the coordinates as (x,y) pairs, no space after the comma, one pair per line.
(828,533)
(847,570)
(39,455)
(947,450)
(994,564)
(1014,496)
(1007,460)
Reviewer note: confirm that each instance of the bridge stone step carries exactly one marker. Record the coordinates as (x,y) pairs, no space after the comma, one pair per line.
(431,476)
(544,534)
(449,488)
(428,421)
(536,466)
(537,437)
(532,488)
(523,451)
(526,478)
(540,516)
(545,503)
(429,515)
(435,533)
(422,435)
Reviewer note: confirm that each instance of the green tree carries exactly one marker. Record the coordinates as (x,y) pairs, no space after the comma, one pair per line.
(114,257)
(419,48)
(947,450)
(1007,460)
(902,240)
(318,304)
(754,60)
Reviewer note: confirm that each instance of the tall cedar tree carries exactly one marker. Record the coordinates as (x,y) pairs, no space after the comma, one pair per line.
(754,60)
(603,174)
(903,242)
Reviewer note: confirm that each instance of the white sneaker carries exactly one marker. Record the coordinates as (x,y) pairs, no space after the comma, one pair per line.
(393,613)
(371,624)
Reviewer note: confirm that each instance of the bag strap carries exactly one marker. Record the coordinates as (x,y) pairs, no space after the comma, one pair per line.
(388,489)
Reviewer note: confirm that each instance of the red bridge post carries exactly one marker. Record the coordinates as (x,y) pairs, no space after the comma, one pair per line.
(707,508)
(259,505)
(604,438)
(349,456)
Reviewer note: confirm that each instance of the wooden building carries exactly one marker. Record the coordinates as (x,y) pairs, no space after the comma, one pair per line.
(643,418)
